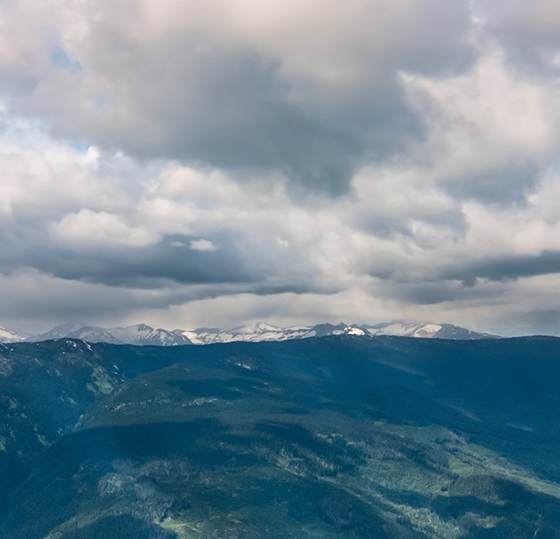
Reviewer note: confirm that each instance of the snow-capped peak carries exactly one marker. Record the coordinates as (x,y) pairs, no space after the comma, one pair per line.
(425,330)
(142,334)
(267,332)
(7,336)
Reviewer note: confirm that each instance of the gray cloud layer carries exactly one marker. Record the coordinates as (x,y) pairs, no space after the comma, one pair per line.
(506,268)
(170,260)
(314,98)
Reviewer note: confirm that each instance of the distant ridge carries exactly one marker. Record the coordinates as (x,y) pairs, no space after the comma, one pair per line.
(139,334)
(427,331)
(142,334)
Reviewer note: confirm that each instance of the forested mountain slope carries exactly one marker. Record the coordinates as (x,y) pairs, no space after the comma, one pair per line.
(342,437)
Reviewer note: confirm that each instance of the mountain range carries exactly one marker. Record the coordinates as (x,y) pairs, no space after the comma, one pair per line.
(142,334)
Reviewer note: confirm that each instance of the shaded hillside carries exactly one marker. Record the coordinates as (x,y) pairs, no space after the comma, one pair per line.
(331,437)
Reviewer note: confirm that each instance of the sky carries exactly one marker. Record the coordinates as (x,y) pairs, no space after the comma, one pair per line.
(188,163)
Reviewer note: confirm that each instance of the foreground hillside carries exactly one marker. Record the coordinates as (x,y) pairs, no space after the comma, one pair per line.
(335,437)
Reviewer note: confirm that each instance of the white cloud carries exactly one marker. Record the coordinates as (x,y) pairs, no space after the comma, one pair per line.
(86,228)
(490,131)
(202,245)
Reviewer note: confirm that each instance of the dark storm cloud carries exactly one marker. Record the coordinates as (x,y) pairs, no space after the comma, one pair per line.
(225,263)
(169,261)
(424,289)
(506,268)
(220,98)
(172,260)
(430,286)
(222,108)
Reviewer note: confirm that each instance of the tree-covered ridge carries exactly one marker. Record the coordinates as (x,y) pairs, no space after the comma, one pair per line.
(332,437)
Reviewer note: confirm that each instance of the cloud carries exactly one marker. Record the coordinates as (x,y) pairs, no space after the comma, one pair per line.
(154,265)
(506,268)
(219,83)
(182,162)
(493,130)
(202,245)
(529,30)
(101,228)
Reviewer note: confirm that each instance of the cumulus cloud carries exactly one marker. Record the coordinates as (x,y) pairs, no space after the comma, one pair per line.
(207,163)
(101,228)
(493,130)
